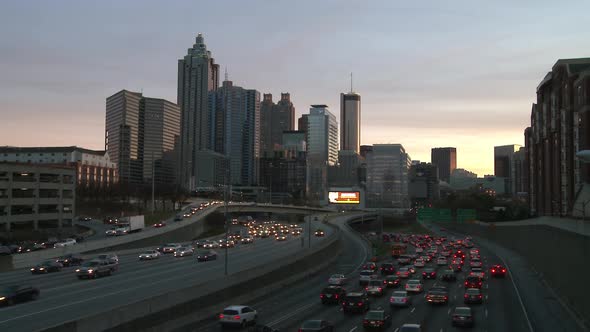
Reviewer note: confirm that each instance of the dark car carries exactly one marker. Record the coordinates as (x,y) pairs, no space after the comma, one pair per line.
(392,281)
(206,255)
(429,273)
(70,259)
(448,275)
(110,221)
(261,328)
(46,267)
(319,233)
(378,320)
(498,271)
(178,217)
(332,294)
(456,267)
(317,325)
(10,295)
(5,250)
(473,282)
(355,302)
(473,296)
(387,268)
(462,316)
(438,294)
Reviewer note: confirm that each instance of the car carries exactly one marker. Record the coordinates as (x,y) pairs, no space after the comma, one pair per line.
(206,255)
(355,302)
(13,294)
(178,217)
(472,295)
(462,316)
(477,271)
(437,294)
(473,282)
(110,257)
(95,268)
(419,250)
(475,263)
(426,258)
(410,328)
(111,232)
(226,244)
(400,299)
(414,286)
(441,261)
(366,276)
(332,294)
(187,215)
(238,315)
(261,328)
(419,263)
(149,255)
(375,287)
(316,325)
(160,224)
(319,233)
(498,271)
(387,268)
(448,275)
(183,252)
(370,266)
(403,272)
(392,281)
(377,320)
(69,260)
(337,279)
(404,259)
(65,243)
(110,220)
(280,237)
(247,239)
(46,267)
(169,248)
(456,267)
(210,245)
(429,273)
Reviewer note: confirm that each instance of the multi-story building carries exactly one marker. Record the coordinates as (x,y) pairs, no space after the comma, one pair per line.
(236,112)
(198,74)
(560,127)
(36,197)
(294,141)
(446,161)
(94,169)
(387,176)
(519,174)
(423,186)
(142,133)
(322,149)
(284,176)
(350,122)
(274,120)
(365,149)
(503,165)
(347,173)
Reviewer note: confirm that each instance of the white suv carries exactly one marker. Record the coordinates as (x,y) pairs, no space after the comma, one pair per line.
(65,243)
(238,315)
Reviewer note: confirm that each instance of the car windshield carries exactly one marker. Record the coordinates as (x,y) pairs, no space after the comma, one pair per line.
(331,290)
(374,315)
(311,324)
(463,311)
(203,252)
(90,264)
(400,294)
(472,291)
(8,289)
(414,282)
(403,269)
(46,263)
(230,312)
(375,283)
(354,298)
(336,276)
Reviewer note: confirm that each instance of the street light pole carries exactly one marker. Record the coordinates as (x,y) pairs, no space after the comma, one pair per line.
(153,183)
(309,230)
(225,195)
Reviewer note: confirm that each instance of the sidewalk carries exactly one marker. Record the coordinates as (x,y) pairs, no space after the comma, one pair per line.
(572,225)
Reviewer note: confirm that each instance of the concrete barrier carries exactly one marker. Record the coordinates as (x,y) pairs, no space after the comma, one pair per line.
(164,307)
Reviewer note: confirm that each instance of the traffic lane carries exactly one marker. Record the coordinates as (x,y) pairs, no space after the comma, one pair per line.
(115,292)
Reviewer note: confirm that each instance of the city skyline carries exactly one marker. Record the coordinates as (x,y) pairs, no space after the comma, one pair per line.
(467,88)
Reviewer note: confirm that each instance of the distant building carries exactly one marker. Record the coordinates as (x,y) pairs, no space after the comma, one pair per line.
(519,174)
(198,74)
(467,181)
(94,169)
(274,120)
(36,197)
(350,122)
(141,131)
(294,141)
(347,172)
(284,176)
(503,163)
(365,149)
(387,176)
(558,181)
(446,161)
(423,186)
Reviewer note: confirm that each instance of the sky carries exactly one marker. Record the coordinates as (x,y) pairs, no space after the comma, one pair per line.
(431,74)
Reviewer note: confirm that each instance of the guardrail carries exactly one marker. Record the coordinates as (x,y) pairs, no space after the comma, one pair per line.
(160,308)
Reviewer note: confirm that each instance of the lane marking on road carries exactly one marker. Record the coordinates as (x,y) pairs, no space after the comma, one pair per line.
(441,330)
(352,329)
(449,311)
(486,297)
(293,313)
(413,309)
(486,312)
(454,297)
(396,329)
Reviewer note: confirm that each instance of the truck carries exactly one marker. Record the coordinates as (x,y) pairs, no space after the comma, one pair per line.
(130,224)
(398,249)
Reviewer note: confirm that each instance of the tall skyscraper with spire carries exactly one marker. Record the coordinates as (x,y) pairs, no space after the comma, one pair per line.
(350,120)
(198,74)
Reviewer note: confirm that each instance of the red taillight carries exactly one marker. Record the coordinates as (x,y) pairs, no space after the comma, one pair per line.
(493,270)
(466,296)
(335,296)
(380,289)
(446,298)
(479,296)
(237,317)
(503,270)
(366,322)
(366,288)
(321,296)
(360,304)
(221,316)
(404,300)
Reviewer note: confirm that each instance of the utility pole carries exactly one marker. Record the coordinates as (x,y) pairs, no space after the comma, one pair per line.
(153,183)
(309,230)
(225,196)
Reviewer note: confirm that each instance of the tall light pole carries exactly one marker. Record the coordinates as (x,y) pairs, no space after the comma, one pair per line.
(153,183)
(225,196)
(309,229)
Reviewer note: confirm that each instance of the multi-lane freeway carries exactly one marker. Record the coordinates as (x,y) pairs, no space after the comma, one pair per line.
(64,297)
(501,310)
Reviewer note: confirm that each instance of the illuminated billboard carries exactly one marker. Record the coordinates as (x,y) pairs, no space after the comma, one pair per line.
(344,197)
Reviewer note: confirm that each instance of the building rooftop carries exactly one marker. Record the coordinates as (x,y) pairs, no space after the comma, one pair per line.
(67,149)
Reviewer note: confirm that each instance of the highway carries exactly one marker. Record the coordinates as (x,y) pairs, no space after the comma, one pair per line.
(501,310)
(64,297)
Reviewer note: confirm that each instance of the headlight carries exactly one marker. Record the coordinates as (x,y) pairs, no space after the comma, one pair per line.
(32,269)
(77,270)
(90,271)
(2,298)
(41,268)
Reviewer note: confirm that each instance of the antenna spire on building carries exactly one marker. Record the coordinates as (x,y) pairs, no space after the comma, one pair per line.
(226,77)
(351,90)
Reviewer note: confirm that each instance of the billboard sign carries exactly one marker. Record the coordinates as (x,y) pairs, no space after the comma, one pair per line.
(344,197)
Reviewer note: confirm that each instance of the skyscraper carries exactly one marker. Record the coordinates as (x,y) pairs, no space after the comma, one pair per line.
(274,119)
(350,121)
(503,164)
(446,161)
(236,114)
(387,176)
(197,75)
(141,131)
